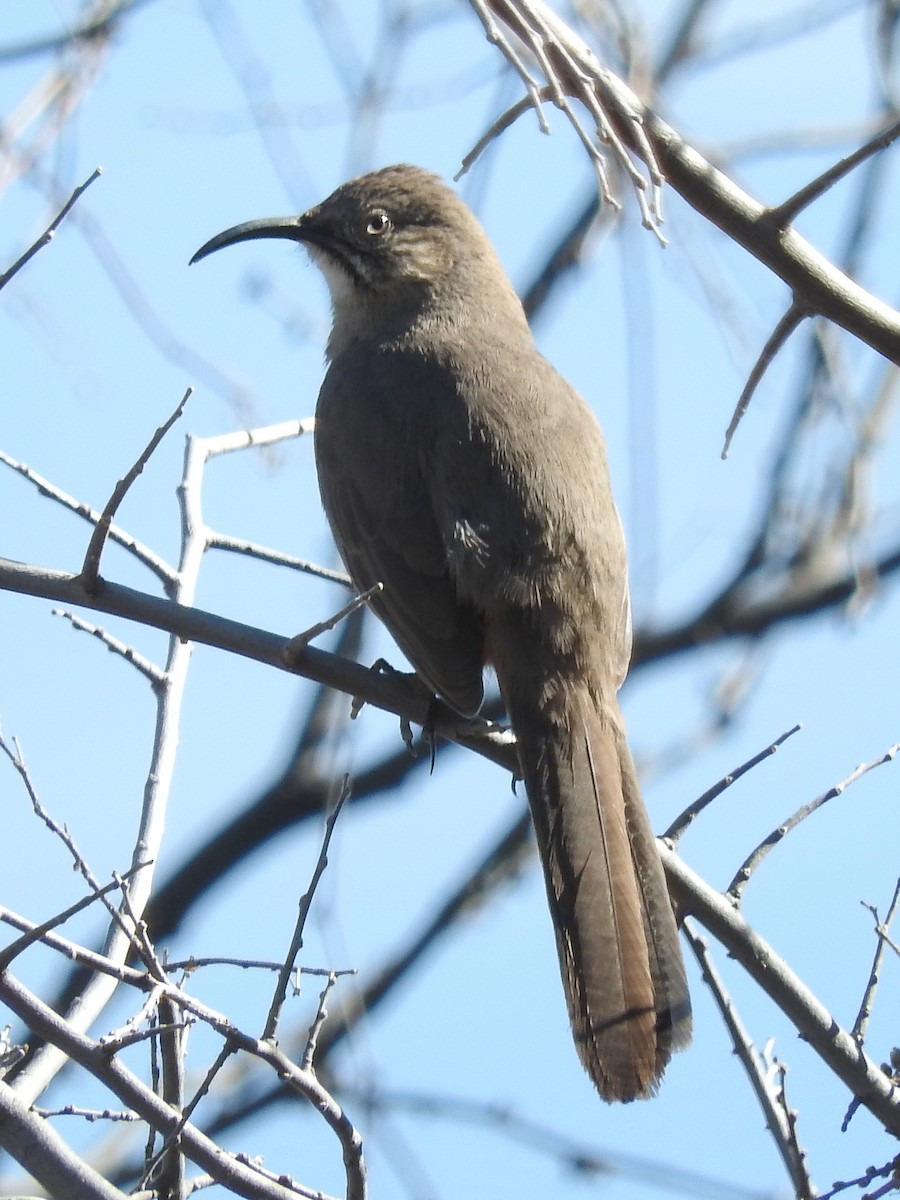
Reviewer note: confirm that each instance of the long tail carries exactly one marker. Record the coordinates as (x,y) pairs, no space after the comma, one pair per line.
(616,935)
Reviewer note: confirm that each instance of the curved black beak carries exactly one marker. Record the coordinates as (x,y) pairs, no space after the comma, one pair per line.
(268,227)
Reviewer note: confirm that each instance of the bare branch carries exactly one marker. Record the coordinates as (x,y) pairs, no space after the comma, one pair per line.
(887,1171)
(251,964)
(14,754)
(222,541)
(686,818)
(91,1055)
(79,954)
(167,1173)
(91,566)
(147,668)
(221,1058)
(98,24)
(246,439)
(48,234)
(496,37)
(736,888)
(296,945)
(38,933)
(815,282)
(758,1071)
(36,1145)
(860,1025)
(571,70)
(301,640)
(312,1041)
(395,693)
(576,1158)
(163,571)
(785,212)
(834,1045)
(502,123)
(779,335)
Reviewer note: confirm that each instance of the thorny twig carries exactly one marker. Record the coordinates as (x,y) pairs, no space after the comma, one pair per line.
(14,754)
(91,565)
(785,212)
(296,945)
(761,1070)
(686,818)
(780,334)
(38,933)
(749,865)
(115,645)
(49,233)
(301,640)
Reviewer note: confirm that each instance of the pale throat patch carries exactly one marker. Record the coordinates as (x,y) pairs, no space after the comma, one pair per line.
(340,285)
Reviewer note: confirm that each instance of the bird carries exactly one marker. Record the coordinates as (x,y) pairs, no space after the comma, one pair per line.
(462,473)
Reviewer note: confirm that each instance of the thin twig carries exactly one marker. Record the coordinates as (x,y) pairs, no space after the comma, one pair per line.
(91,567)
(497,127)
(736,888)
(34,1143)
(87,1114)
(150,559)
(783,214)
(686,818)
(124,938)
(758,1071)
(136,1022)
(574,1158)
(222,541)
(881,929)
(300,641)
(167,1174)
(250,964)
(78,954)
(228,1049)
(860,1025)
(116,1042)
(572,71)
(134,1093)
(571,61)
(14,754)
(48,234)
(37,933)
(98,24)
(306,900)
(147,668)
(497,38)
(245,439)
(779,335)
(887,1171)
(143,945)
(817,1026)
(315,1028)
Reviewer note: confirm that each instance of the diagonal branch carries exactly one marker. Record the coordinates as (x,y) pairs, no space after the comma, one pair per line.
(35,1145)
(50,232)
(816,284)
(225,1168)
(834,1045)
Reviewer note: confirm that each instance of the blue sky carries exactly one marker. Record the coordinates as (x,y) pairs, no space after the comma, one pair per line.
(107,326)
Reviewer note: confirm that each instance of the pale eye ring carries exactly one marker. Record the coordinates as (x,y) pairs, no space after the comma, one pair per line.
(378,223)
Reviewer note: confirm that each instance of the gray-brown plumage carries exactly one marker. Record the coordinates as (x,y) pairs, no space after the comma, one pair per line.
(458,469)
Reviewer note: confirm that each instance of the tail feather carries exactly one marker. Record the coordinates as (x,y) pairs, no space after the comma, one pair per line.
(615,930)
(673,1005)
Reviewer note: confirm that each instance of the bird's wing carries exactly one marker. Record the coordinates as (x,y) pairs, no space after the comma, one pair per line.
(375,495)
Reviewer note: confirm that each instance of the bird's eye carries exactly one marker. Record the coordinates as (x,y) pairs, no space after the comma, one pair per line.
(378,223)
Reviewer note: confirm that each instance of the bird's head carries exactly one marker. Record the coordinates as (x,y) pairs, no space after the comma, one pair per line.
(391,242)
